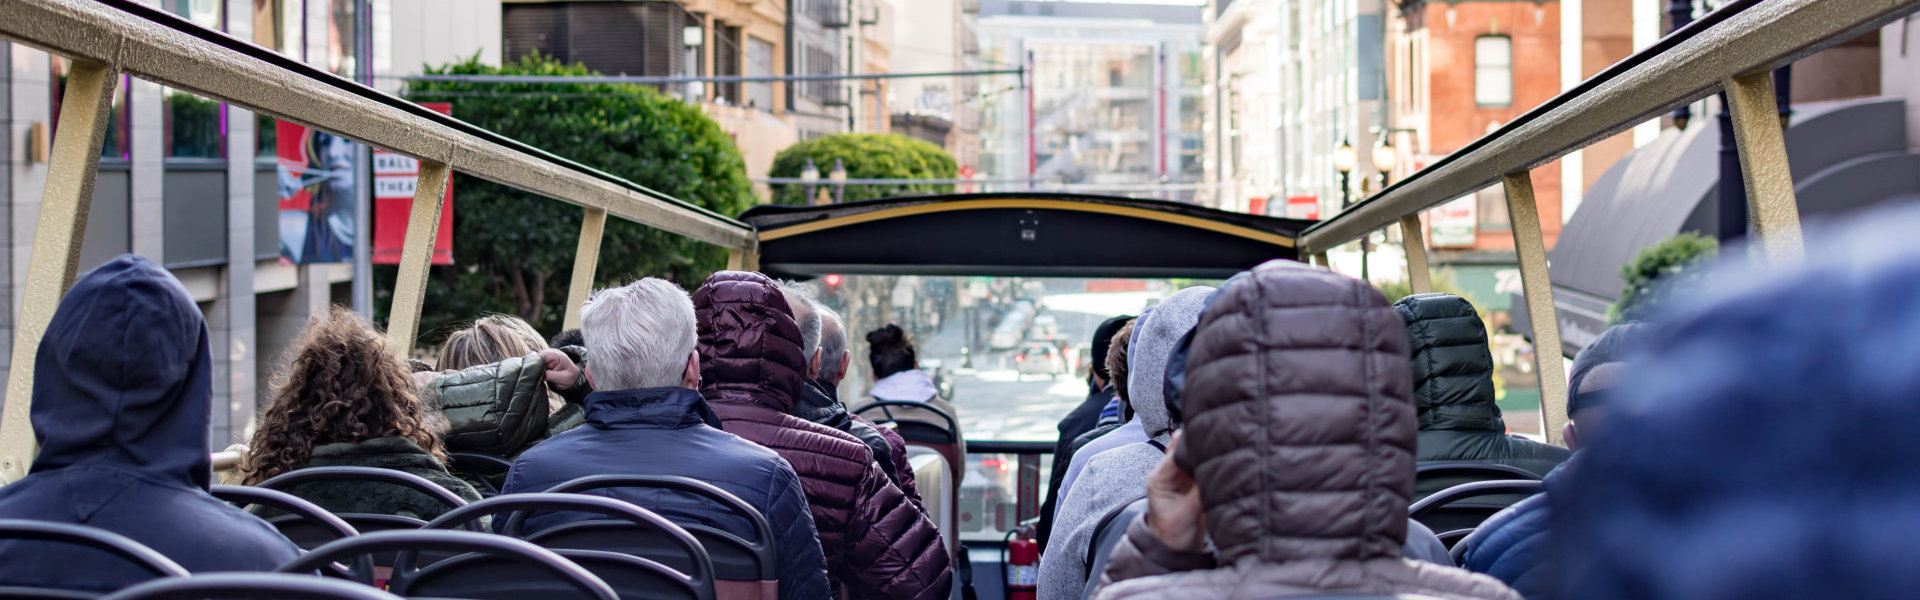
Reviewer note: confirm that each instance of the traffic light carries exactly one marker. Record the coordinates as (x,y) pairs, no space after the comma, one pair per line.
(832,280)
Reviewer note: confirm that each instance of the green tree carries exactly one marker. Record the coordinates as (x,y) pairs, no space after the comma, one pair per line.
(513,251)
(1659,267)
(866,156)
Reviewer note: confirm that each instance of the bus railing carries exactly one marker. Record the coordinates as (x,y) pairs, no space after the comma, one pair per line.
(1733,49)
(108,38)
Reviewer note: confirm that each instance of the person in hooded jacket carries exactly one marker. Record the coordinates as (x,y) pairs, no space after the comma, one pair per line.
(1117,477)
(1107,436)
(1453,389)
(833,342)
(122,405)
(1512,544)
(1082,419)
(817,404)
(646,418)
(877,544)
(346,400)
(1762,447)
(1298,376)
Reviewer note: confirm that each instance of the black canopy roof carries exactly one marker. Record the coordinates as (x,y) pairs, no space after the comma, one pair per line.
(1017,234)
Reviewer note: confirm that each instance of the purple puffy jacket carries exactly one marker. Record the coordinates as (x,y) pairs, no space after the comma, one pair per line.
(878,545)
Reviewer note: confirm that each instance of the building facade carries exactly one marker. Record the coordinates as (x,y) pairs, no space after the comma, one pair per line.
(1113,104)
(942,37)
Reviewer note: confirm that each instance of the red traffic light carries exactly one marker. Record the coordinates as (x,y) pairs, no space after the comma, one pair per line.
(833,280)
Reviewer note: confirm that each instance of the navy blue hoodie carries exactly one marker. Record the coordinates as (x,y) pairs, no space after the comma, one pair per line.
(671,431)
(122,399)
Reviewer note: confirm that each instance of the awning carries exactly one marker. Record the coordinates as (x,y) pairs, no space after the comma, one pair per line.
(1017,234)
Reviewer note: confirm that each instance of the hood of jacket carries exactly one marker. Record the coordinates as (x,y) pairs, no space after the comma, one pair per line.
(911,385)
(1300,422)
(124,377)
(1155,337)
(1452,364)
(649,408)
(817,404)
(1615,344)
(749,342)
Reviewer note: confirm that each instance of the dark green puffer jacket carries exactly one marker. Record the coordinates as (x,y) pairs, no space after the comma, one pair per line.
(399,454)
(501,409)
(1453,389)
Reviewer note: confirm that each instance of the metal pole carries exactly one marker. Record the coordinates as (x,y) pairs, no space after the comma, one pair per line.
(1531,251)
(1776,216)
(1732,200)
(1680,13)
(362,287)
(1033,150)
(1419,277)
(586,257)
(54,260)
(416,257)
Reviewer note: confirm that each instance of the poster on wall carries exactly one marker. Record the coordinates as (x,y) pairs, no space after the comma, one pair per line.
(316,195)
(1452,224)
(1303,207)
(394,179)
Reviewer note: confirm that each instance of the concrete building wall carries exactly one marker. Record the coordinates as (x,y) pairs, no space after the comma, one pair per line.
(435,32)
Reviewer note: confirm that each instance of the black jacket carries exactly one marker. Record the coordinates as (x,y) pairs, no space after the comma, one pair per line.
(122,400)
(1453,389)
(670,431)
(399,454)
(817,404)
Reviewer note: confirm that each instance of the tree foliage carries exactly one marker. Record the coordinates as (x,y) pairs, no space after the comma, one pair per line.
(1657,268)
(513,251)
(866,156)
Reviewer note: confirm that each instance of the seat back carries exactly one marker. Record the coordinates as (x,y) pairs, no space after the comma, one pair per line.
(307,525)
(250,585)
(1106,537)
(1431,477)
(120,546)
(741,568)
(1464,506)
(486,468)
(285,481)
(629,530)
(926,425)
(632,577)
(539,573)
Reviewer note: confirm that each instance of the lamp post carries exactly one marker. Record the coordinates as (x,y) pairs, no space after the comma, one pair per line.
(1385,156)
(1343,161)
(693,36)
(811,175)
(839,177)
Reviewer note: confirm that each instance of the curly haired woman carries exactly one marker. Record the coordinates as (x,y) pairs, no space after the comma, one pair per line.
(346,399)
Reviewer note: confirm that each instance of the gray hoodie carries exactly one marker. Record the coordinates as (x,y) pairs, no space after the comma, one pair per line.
(1117,477)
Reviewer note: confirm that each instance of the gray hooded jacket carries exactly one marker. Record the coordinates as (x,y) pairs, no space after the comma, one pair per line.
(1117,477)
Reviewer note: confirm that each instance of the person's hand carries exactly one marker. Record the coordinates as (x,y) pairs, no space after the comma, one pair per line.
(422,379)
(1174,513)
(562,374)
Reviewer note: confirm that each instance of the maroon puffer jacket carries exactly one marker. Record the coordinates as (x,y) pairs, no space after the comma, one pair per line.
(877,544)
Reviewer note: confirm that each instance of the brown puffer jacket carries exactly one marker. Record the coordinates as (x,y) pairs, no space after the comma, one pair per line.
(877,544)
(1300,432)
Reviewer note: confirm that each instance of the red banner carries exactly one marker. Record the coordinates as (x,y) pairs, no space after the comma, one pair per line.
(394,177)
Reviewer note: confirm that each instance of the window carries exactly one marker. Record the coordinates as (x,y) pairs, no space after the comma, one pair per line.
(1493,70)
(341,49)
(760,64)
(726,61)
(1491,204)
(276,28)
(115,146)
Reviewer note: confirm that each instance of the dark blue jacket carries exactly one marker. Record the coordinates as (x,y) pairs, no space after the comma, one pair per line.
(1512,544)
(122,399)
(669,431)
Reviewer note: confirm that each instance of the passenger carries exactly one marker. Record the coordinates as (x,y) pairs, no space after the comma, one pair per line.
(1295,375)
(498,388)
(1082,419)
(122,403)
(898,377)
(1512,544)
(1763,446)
(646,418)
(570,337)
(751,371)
(346,400)
(1453,389)
(1117,369)
(818,402)
(1109,436)
(1117,477)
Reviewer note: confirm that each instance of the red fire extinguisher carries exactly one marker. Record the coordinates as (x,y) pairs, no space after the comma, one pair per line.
(1023,564)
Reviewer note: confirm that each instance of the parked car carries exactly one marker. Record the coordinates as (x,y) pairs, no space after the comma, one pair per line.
(1040,358)
(1044,327)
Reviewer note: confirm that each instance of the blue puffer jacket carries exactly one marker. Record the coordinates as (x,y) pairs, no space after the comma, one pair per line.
(1765,446)
(1512,545)
(122,399)
(670,431)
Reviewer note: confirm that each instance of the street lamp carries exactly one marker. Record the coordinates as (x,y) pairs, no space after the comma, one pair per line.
(1343,159)
(810,176)
(1385,156)
(839,177)
(693,36)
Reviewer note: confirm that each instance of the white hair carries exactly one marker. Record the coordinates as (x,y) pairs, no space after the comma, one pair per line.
(833,341)
(639,335)
(800,300)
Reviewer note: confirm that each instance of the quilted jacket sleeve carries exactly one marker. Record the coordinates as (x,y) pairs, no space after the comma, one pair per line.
(902,467)
(901,555)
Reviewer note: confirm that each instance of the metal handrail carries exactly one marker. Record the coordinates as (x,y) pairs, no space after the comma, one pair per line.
(1743,37)
(157,46)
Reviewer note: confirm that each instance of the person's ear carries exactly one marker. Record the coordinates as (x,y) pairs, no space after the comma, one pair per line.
(691,379)
(813,365)
(588,369)
(1571,434)
(846,359)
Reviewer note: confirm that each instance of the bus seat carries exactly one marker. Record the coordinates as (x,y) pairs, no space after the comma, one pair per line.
(922,424)
(742,569)
(118,545)
(304,521)
(939,492)
(1106,537)
(1461,507)
(528,573)
(602,543)
(250,585)
(1432,477)
(486,468)
(285,482)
